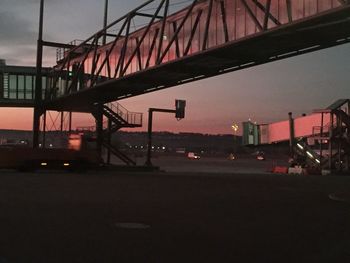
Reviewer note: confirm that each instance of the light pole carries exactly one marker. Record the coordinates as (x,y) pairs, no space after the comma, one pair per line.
(234,127)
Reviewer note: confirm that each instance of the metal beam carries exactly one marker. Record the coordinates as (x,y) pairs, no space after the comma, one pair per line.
(252,15)
(57,45)
(267,12)
(262,7)
(148,15)
(207,24)
(224,22)
(193,32)
(177,30)
(162,30)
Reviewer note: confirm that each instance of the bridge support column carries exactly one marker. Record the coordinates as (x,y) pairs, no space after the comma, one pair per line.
(70,122)
(36,126)
(291,135)
(62,121)
(99,128)
(149,136)
(44,130)
(330,144)
(109,141)
(347,158)
(38,80)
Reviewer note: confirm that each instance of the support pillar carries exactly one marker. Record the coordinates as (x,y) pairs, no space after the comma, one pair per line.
(321,135)
(70,122)
(149,137)
(109,141)
(330,145)
(44,130)
(347,157)
(62,121)
(291,135)
(99,128)
(38,80)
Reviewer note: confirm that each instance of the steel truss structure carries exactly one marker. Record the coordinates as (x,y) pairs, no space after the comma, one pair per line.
(206,38)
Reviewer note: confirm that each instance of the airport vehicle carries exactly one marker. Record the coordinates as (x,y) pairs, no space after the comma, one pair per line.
(231,157)
(74,158)
(260,156)
(193,156)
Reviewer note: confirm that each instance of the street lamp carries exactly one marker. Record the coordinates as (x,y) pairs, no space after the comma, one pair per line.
(234,127)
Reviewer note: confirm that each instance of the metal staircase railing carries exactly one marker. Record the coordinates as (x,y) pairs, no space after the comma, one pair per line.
(321,131)
(132,119)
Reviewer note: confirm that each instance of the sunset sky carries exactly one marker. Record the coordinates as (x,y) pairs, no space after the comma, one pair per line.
(264,93)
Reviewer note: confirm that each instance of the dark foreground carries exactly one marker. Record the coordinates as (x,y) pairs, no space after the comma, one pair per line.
(61,217)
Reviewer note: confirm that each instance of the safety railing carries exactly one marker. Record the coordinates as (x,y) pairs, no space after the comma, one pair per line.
(131,118)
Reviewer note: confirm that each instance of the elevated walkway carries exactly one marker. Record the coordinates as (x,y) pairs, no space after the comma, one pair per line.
(321,140)
(17,84)
(207,38)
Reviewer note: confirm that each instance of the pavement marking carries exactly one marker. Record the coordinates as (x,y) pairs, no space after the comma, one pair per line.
(130,225)
(340,197)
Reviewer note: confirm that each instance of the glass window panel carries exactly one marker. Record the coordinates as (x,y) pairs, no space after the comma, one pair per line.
(28,87)
(44,85)
(20,87)
(13,87)
(6,85)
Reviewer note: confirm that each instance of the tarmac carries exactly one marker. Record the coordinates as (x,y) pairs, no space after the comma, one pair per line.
(194,216)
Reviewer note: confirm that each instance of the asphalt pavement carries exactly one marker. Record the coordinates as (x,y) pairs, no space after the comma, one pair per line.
(112,216)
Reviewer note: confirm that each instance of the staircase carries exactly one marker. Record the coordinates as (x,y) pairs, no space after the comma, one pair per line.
(117,117)
(311,157)
(331,149)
